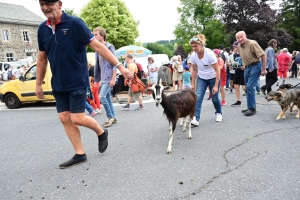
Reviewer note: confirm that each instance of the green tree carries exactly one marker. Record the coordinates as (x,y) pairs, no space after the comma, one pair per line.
(159,49)
(256,18)
(70,12)
(114,17)
(199,16)
(290,14)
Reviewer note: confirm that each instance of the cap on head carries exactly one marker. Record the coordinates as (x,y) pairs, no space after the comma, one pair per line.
(186,67)
(285,50)
(174,58)
(235,44)
(216,51)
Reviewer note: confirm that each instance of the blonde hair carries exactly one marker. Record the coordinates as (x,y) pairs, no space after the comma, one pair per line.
(201,39)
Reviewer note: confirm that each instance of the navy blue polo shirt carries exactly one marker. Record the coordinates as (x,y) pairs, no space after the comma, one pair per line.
(66,51)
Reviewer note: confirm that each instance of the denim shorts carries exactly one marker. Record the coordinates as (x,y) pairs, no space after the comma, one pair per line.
(73,101)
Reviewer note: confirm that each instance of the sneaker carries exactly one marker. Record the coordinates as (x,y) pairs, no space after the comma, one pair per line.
(98,111)
(92,114)
(223,103)
(219,117)
(126,107)
(250,112)
(139,108)
(231,90)
(102,144)
(227,88)
(109,122)
(73,162)
(238,103)
(195,122)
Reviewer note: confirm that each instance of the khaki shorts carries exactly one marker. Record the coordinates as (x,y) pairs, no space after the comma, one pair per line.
(134,95)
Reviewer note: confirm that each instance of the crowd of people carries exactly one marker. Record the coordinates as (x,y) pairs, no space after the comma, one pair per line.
(214,70)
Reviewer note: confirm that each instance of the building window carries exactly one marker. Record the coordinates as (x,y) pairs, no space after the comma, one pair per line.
(25,36)
(10,57)
(5,35)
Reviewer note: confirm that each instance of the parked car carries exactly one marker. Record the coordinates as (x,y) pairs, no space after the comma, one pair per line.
(22,90)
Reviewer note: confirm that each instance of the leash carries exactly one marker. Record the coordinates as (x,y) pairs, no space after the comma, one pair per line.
(295,85)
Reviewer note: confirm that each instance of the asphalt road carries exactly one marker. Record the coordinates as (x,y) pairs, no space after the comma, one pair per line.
(242,157)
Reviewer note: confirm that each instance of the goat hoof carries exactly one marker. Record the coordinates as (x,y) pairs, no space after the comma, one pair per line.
(190,137)
(169,151)
(183,130)
(297,116)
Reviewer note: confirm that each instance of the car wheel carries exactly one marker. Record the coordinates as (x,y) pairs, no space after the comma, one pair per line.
(12,101)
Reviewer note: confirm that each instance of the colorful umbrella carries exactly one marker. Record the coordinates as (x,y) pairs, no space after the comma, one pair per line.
(136,51)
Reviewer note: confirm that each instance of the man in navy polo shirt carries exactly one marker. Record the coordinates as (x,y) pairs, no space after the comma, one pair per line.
(62,40)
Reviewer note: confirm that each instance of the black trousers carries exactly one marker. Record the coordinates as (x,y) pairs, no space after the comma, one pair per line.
(294,71)
(271,78)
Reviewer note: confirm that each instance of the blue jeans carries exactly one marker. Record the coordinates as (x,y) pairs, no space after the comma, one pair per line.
(228,80)
(202,84)
(106,101)
(258,85)
(251,75)
(88,107)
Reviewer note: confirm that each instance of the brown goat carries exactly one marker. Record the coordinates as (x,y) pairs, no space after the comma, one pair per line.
(177,105)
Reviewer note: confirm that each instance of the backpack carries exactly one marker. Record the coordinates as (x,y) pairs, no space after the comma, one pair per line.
(140,72)
(297,59)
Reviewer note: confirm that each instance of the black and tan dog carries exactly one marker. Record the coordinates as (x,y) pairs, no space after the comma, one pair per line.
(289,86)
(284,99)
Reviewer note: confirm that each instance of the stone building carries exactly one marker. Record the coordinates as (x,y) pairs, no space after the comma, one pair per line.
(18,33)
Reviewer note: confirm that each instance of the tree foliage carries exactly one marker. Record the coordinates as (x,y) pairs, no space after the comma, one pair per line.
(159,49)
(180,51)
(199,16)
(256,18)
(71,12)
(290,20)
(114,17)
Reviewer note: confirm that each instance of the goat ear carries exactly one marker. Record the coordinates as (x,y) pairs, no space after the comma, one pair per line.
(167,87)
(150,90)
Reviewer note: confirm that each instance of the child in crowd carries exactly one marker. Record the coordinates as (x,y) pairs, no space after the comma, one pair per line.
(186,76)
(223,75)
(89,101)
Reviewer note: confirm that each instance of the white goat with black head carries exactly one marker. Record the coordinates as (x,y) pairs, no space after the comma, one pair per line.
(177,105)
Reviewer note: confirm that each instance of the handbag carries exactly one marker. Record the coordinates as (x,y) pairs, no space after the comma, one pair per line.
(180,69)
(137,84)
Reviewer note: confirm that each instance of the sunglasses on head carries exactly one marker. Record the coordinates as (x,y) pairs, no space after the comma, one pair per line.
(194,39)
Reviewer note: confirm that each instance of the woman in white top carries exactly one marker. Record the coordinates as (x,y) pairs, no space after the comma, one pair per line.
(206,70)
(152,71)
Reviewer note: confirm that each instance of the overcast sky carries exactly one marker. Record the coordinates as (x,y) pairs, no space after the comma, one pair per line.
(157,18)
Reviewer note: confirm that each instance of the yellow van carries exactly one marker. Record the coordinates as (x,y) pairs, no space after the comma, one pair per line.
(16,92)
